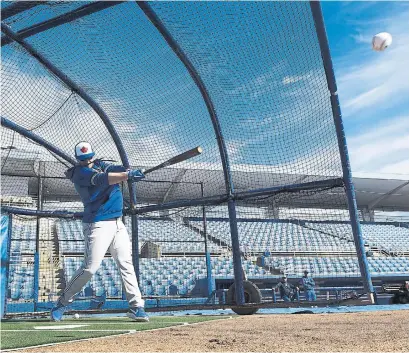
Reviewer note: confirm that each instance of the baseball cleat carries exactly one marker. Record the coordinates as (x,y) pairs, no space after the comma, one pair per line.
(138,314)
(57,312)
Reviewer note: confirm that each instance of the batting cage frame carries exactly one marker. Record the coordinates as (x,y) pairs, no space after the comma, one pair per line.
(191,198)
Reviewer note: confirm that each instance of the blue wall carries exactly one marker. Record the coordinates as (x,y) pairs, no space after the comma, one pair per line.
(4,261)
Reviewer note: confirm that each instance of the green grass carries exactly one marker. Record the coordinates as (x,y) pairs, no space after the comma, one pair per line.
(26,335)
(22,339)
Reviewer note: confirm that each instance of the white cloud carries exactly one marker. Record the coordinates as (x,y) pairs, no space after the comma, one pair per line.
(360,38)
(382,149)
(292,79)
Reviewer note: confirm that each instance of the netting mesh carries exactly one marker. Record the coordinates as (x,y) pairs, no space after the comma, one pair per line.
(139,83)
(267,82)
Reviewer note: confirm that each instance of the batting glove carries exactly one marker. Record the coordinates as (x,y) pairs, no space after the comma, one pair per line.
(135,175)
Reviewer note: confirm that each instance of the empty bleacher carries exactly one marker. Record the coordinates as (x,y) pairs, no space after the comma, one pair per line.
(23,238)
(277,236)
(182,267)
(172,237)
(388,237)
(21,278)
(157,274)
(338,266)
(105,281)
(70,236)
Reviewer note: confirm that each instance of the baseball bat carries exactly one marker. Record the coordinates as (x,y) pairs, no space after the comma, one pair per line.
(177,159)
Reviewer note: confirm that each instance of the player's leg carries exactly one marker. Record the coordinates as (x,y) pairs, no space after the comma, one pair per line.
(310,295)
(121,251)
(97,236)
(313,295)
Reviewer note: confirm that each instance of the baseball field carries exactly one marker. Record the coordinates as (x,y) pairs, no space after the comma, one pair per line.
(378,331)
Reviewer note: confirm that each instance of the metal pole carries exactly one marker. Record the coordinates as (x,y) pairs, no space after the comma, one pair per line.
(237,265)
(34,137)
(37,248)
(17,7)
(156,21)
(208,258)
(342,145)
(68,17)
(39,208)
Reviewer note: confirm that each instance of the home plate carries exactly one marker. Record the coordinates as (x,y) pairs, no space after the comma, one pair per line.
(60,327)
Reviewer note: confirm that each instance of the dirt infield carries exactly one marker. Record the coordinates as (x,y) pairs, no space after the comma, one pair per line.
(384,331)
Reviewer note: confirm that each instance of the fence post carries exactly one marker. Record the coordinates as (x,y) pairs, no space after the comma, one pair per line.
(208,258)
(343,150)
(37,247)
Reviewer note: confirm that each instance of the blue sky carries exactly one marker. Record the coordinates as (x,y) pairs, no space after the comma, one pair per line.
(373,86)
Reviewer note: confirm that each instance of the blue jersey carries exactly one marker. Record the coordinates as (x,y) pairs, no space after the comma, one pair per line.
(308,283)
(101,200)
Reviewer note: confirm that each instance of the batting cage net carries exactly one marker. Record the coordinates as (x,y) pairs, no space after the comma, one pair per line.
(269,195)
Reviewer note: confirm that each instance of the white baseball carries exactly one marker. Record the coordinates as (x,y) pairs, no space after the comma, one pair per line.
(76,316)
(381,41)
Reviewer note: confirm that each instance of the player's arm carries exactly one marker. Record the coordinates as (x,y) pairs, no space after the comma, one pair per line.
(118,173)
(116,178)
(90,177)
(131,175)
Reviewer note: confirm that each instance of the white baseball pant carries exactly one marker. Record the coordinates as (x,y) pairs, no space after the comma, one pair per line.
(99,237)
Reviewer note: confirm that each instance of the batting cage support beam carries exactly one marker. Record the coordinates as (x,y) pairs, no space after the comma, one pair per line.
(18,7)
(313,185)
(73,15)
(203,201)
(31,212)
(237,265)
(238,196)
(34,137)
(207,252)
(343,150)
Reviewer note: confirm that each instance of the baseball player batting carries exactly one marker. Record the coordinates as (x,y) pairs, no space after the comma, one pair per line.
(97,184)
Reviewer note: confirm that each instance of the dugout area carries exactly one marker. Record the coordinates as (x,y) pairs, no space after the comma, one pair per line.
(271,193)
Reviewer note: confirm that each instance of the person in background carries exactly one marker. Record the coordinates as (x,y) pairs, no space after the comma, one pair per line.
(288,292)
(173,289)
(308,284)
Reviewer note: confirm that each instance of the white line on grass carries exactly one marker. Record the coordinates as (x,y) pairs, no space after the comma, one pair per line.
(128,323)
(59,330)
